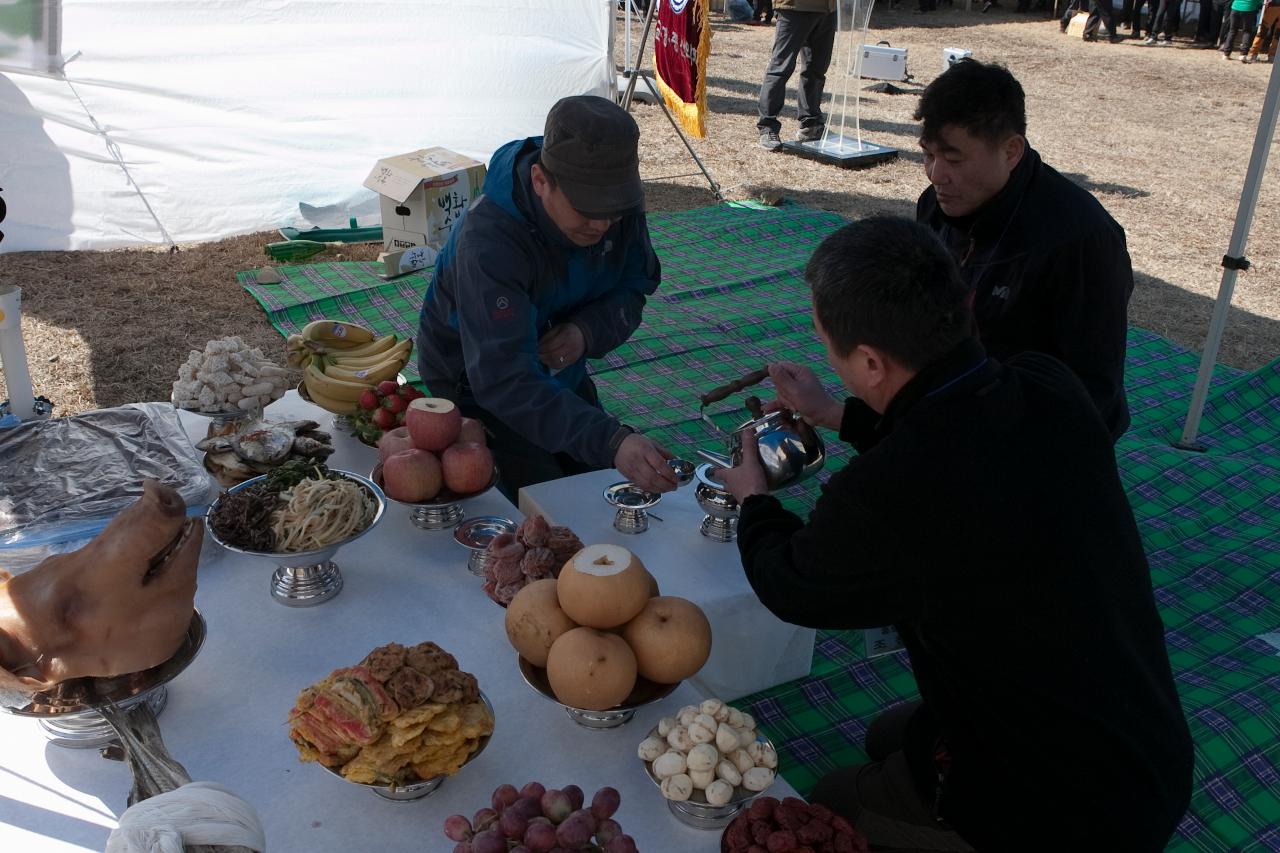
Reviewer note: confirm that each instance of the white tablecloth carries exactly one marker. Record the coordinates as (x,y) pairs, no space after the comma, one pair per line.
(225,720)
(751,649)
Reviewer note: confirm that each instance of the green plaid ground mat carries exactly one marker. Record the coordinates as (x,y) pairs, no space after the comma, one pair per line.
(733,298)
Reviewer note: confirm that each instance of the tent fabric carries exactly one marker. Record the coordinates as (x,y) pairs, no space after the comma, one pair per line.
(178,120)
(732,278)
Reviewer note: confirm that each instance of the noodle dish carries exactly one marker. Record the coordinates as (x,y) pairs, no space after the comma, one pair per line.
(299,507)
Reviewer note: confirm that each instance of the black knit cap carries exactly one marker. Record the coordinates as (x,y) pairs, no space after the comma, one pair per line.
(590,147)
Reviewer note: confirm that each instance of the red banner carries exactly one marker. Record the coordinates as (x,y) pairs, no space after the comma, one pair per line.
(681,44)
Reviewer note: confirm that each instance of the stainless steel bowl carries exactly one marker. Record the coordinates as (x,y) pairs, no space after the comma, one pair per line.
(721,520)
(416,790)
(304,578)
(696,811)
(67,711)
(644,693)
(444,511)
(791,450)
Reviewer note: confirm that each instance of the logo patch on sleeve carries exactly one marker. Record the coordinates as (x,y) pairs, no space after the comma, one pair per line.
(502,309)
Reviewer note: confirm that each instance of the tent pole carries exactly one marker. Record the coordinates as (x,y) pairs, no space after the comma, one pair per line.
(634,70)
(1234,260)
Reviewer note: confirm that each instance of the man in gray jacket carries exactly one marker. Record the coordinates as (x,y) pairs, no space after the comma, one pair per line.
(806,31)
(549,267)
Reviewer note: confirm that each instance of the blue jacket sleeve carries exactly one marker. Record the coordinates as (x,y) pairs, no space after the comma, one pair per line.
(498,327)
(608,321)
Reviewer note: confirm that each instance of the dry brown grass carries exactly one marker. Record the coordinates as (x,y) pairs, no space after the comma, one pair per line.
(1161,135)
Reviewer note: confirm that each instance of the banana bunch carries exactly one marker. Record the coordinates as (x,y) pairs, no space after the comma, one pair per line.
(341,361)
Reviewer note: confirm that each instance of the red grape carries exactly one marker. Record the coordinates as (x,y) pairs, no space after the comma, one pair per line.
(556,805)
(519,848)
(484,819)
(527,807)
(513,824)
(606,831)
(540,837)
(457,828)
(489,841)
(576,831)
(503,796)
(533,789)
(575,795)
(462,847)
(622,844)
(605,803)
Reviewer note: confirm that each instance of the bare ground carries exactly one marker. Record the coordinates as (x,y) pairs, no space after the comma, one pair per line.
(1161,135)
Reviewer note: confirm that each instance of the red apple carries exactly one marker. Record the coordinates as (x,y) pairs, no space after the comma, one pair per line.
(468,467)
(433,422)
(393,441)
(472,431)
(411,475)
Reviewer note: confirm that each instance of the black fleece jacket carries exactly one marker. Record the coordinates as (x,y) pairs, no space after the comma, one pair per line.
(1050,273)
(985,519)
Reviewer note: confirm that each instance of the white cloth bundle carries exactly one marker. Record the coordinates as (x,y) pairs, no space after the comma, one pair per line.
(196,813)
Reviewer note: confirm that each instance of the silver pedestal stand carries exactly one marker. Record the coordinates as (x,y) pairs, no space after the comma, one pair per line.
(444,511)
(304,578)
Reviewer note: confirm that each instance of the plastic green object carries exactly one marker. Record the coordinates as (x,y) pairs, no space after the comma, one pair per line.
(352,234)
(299,250)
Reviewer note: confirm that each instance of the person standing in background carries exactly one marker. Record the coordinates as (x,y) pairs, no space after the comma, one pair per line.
(1267,32)
(806,32)
(1243,21)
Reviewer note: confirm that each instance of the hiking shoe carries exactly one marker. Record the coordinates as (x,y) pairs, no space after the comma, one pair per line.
(770,140)
(1247,59)
(810,134)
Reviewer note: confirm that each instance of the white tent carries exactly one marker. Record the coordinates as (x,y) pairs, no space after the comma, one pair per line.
(127,122)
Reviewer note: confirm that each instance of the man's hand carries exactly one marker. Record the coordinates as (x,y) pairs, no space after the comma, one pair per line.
(748,478)
(801,392)
(644,462)
(562,346)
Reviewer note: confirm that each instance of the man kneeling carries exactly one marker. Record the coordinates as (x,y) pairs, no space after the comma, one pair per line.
(985,519)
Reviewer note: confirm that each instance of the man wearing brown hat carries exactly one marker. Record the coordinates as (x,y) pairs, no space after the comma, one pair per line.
(549,267)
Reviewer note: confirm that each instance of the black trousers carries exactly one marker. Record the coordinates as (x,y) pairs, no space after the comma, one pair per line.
(1100,10)
(521,462)
(882,798)
(1240,24)
(1212,14)
(764,11)
(1070,12)
(808,37)
(1165,19)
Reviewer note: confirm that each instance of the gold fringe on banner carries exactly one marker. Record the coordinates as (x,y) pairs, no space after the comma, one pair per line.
(692,116)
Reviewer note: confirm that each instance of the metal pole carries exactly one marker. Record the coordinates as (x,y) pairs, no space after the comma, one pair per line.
(1234,260)
(715,188)
(644,41)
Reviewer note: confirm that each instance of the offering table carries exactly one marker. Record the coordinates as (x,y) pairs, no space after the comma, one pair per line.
(226,715)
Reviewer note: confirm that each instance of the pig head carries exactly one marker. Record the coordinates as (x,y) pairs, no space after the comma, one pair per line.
(118,605)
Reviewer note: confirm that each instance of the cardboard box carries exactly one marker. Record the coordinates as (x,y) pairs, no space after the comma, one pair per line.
(424,194)
(881,62)
(952,55)
(404,261)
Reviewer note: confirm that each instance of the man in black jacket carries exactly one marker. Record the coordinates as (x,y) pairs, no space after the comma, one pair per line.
(1047,265)
(985,519)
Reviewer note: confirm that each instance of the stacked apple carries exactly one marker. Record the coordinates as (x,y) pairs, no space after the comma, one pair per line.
(436,449)
(382,409)
(601,624)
